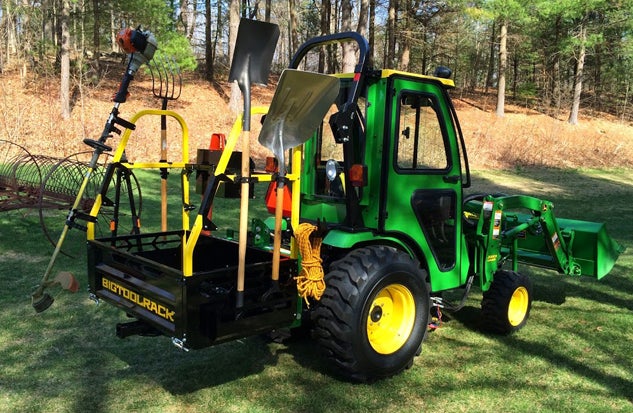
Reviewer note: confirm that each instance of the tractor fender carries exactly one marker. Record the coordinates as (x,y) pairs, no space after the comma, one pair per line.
(346,241)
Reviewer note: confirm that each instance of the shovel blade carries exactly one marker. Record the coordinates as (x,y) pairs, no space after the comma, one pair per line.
(300,102)
(254,50)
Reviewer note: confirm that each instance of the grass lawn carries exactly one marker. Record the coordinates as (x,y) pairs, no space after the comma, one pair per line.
(573,356)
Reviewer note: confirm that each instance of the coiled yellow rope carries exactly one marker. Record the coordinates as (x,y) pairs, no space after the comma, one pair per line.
(310,281)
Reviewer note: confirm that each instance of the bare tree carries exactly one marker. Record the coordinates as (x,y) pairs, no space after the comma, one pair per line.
(326,12)
(371,39)
(267,10)
(293,36)
(208,42)
(349,49)
(363,17)
(405,35)
(503,64)
(580,65)
(188,17)
(390,55)
(64,97)
(234,23)
(491,58)
(95,32)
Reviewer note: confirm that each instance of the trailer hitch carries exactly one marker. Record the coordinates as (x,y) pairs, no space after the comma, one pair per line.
(136,328)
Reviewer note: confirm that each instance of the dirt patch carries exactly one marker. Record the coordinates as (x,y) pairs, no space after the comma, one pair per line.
(29,115)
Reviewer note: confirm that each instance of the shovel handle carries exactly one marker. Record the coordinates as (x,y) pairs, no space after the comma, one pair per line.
(245,187)
(277,234)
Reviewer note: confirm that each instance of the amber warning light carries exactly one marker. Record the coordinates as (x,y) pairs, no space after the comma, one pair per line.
(358,175)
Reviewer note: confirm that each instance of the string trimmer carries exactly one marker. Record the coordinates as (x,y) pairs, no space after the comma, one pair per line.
(140,46)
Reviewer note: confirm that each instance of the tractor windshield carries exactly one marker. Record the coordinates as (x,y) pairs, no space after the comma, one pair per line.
(329,155)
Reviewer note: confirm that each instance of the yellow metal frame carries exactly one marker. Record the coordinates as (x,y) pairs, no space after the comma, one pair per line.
(192,234)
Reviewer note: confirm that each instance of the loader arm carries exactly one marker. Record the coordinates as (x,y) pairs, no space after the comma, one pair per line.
(523,229)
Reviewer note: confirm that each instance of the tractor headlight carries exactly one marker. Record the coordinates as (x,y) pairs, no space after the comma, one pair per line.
(331,169)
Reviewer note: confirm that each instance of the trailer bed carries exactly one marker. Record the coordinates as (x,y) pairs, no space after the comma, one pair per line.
(142,274)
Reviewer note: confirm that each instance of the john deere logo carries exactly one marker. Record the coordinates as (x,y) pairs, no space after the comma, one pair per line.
(136,298)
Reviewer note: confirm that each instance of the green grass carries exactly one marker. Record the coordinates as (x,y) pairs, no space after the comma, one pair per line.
(573,356)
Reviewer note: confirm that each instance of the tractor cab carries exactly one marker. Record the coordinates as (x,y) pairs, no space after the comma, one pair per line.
(397,175)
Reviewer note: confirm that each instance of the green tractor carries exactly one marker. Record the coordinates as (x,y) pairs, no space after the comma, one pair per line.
(371,226)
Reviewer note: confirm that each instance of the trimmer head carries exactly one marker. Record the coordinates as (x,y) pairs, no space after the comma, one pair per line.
(41,301)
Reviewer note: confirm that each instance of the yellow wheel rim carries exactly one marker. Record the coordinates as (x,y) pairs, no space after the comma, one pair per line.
(391,319)
(517,310)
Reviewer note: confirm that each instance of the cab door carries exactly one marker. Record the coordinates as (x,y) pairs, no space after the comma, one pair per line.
(422,180)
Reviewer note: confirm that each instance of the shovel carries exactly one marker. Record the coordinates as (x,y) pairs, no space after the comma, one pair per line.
(300,102)
(254,49)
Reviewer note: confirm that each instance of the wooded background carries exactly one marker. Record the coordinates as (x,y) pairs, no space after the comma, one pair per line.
(553,56)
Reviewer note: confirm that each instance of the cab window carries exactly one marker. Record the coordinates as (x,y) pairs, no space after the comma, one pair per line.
(421,142)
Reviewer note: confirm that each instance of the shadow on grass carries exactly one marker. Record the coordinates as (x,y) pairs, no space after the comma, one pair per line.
(67,359)
(468,316)
(618,386)
(595,196)
(598,196)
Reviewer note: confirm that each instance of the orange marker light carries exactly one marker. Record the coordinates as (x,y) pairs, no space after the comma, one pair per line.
(272,165)
(358,175)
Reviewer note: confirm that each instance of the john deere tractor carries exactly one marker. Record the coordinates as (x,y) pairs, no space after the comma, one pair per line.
(371,225)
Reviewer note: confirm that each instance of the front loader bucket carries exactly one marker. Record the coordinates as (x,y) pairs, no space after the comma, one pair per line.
(588,243)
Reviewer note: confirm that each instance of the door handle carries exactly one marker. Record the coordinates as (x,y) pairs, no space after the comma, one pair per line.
(451,179)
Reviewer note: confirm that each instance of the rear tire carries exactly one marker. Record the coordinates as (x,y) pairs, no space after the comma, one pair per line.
(505,307)
(373,316)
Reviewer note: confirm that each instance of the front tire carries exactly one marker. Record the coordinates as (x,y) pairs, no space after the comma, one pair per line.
(373,316)
(505,307)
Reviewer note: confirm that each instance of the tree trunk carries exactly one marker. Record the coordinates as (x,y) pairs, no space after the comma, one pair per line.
(405,39)
(64,96)
(188,18)
(515,76)
(234,23)
(113,32)
(372,31)
(391,35)
(349,48)
(293,40)
(326,9)
(25,40)
(503,64)
(95,33)
(208,43)
(580,64)
(491,60)
(267,11)
(363,17)
(9,26)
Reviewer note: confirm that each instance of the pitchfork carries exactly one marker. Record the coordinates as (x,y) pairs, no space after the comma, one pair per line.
(166,85)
